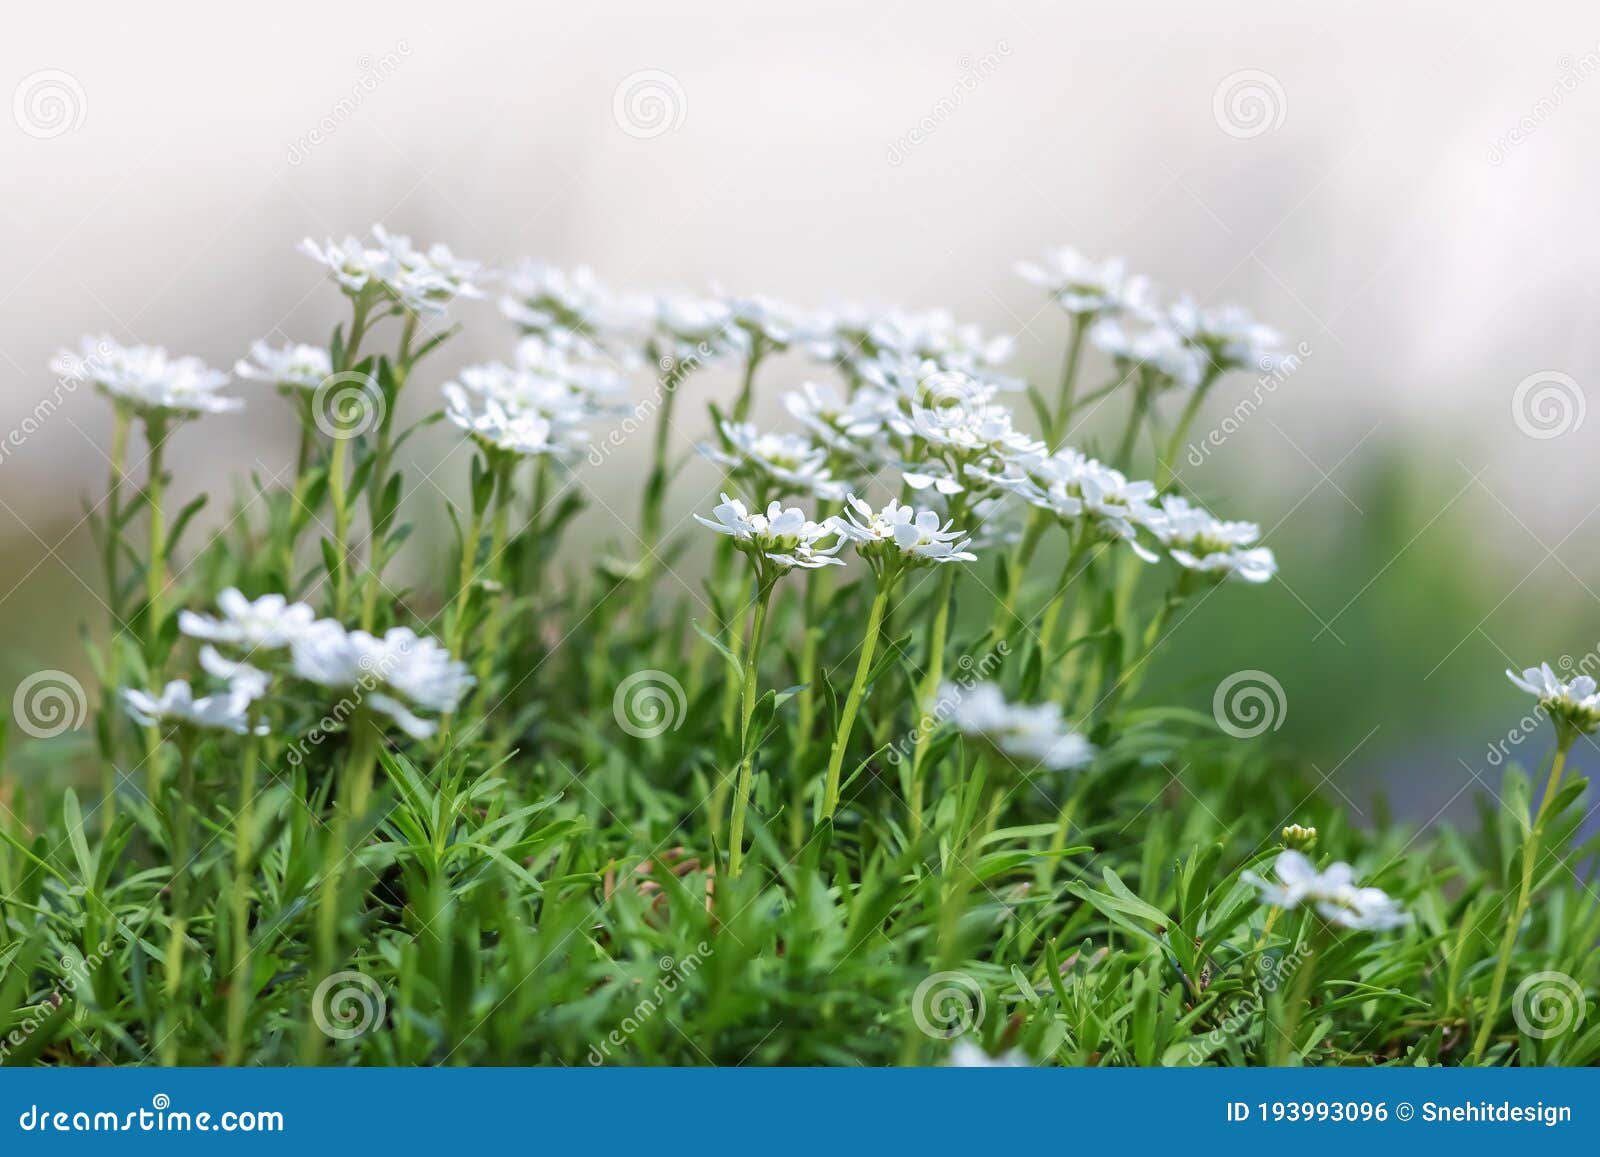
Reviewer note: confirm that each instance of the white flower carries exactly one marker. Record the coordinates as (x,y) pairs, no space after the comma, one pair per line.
(269,623)
(1038,733)
(177,705)
(550,360)
(1079,489)
(694,328)
(511,429)
(1199,542)
(423,283)
(397,674)
(914,537)
(1158,348)
(1332,891)
(850,426)
(854,335)
(1228,338)
(783,535)
(964,1054)
(1087,288)
(546,299)
(772,323)
(296,366)
(793,463)
(1575,704)
(146,377)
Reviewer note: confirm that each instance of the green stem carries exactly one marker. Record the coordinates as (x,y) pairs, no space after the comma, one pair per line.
(156,567)
(741,405)
(741,798)
(655,491)
(1165,472)
(181,819)
(1069,379)
(497,569)
(1130,433)
(297,495)
(355,790)
(241,981)
(1298,999)
(1508,942)
(852,703)
(927,693)
(1058,600)
(113,552)
(340,498)
(1038,522)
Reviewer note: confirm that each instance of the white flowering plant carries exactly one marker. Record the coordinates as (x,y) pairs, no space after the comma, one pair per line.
(875,706)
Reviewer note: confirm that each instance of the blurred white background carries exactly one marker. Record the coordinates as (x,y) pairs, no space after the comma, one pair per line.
(1382,214)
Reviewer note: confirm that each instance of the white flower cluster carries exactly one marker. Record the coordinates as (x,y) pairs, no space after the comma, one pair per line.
(292,367)
(541,406)
(1081,491)
(1574,705)
(1180,346)
(575,307)
(420,282)
(780,540)
(1037,733)
(1333,892)
(1085,288)
(854,336)
(778,465)
(399,675)
(902,535)
(147,378)
(1210,546)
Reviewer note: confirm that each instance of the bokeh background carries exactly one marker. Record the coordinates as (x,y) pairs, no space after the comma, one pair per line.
(1406,188)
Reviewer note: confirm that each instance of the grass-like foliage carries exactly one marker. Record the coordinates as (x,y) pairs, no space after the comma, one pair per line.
(859,765)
